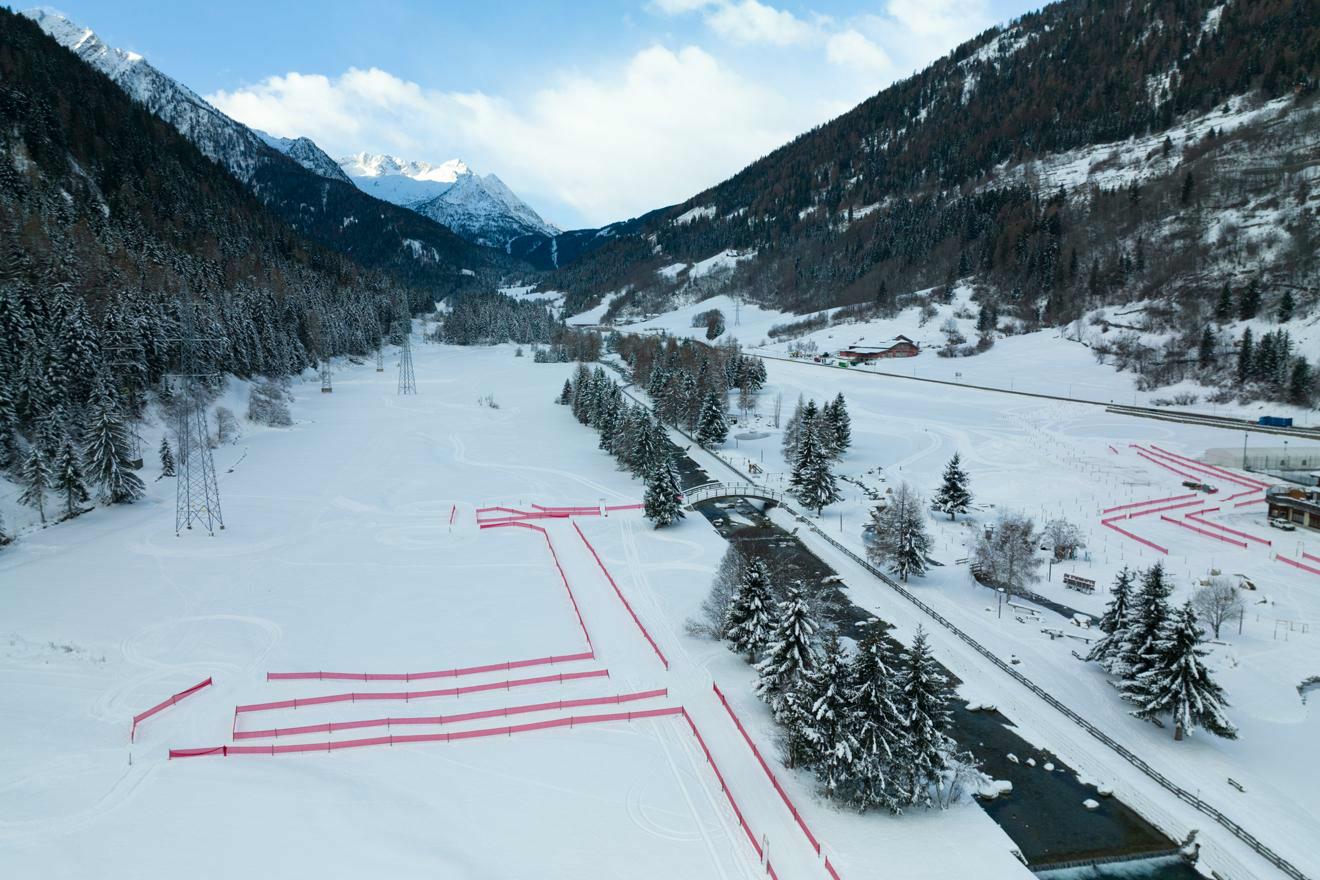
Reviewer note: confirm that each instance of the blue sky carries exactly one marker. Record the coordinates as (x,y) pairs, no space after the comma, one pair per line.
(592,111)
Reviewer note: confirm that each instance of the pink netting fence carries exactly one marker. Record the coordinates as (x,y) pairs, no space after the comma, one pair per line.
(1295,564)
(393,740)
(1310,557)
(409,696)
(1242,494)
(563,577)
(165,704)
(626,604)
(542,512)
(1140,540)
(737,811)
(1151,501)
(1252,501)
(1161,509)
(456,718)
(1197,517)
(1206,532)
(774,780)
(421,676)
(1210,468)
(1168,467)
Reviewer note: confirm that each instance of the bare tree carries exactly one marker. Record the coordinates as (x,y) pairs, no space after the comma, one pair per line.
(1006,552)
(1065,538)
(1218,602)
(709,622)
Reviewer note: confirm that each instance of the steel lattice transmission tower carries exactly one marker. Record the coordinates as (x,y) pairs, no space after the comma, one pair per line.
(197,495)
(407,381)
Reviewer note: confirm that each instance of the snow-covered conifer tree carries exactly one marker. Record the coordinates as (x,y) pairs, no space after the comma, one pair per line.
(1177,683)
(566,396)
(793,431)
(840,425)
(712,429)
(166,457)
(663,501)
(106,446)
(36,481)
(923,704)
(900,538)
(789,652)
(1113,623)
(813,483)
(750,621)
(1150,610)
(953,496)
(829,728)
(880,732)
(69,483)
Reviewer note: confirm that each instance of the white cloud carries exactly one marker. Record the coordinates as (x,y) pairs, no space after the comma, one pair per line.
(649,134)
(940,18)
(750,22)
(853,50)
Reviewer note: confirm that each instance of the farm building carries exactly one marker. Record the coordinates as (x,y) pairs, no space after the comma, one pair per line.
(901,346)
(1295,504)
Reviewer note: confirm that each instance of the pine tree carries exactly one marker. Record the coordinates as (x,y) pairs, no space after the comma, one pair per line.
(106,446)
(750,619)
(828,730)
(1150,610)
(880,733)
(789,653)
(1113,623)
(1249,303)
(566,396)
(166,458)
(1177,682)
(923,704)
(840,426)
(1224,308)
(9,450)
(1286,307)
(712,429)
(793,431)
(1301,385)
(69,483)
(663,501)
(953,497)
(36,481)
(1205,355)
(813,483)
(1246,357)
(900,539)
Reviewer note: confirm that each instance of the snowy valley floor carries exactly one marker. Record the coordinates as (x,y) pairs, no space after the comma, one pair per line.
(339,555)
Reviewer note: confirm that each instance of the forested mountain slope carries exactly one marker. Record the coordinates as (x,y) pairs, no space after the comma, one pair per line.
(110,220)
(294,179)
(1092,153)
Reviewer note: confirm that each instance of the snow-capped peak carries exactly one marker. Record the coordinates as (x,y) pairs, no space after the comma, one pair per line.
(479,207)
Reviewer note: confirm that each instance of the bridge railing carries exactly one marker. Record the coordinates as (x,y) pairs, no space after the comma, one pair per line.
(711,491)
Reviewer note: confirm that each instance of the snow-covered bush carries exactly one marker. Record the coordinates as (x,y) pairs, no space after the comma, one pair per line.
(268,404)
(227,429)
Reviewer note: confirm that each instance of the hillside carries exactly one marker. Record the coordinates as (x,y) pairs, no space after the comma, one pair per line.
(292,177)
(1087,155)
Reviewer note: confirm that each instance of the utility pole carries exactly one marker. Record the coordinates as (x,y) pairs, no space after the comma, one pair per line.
(407,381)
(197,495)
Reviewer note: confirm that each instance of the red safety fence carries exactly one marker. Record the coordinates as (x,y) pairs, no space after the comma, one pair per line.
(1242,494)
(1252,501)
(1215,469)
(437,720)
(1138,513)
(334,745)
(1166,465)
(420,676)
(165,704)
(1295,564)
(1310,557)
(1206,532)
(830,868)
(1140,540)
(543,512)
(1113,450)
(408,696)
(1151,501)
(555,556)
(742,820)
(453,511)
(626,604)
(1214,525)
(774,780)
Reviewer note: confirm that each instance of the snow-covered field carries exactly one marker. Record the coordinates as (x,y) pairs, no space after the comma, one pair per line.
(1052,459)
(339,555)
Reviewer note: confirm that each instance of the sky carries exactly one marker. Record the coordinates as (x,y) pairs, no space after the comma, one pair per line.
(591,111)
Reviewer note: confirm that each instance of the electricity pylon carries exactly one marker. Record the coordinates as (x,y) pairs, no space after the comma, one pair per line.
(407,381)
(197,495)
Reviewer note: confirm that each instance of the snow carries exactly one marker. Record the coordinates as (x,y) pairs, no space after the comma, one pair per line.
(671,271)
(339,554)
(701,212)
(724,261)
(1053,458)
